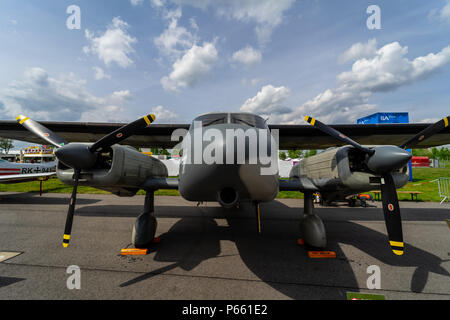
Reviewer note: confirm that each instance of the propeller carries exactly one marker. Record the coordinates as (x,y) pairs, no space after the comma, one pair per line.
(383,160)
(334,133)
(81,156)
(41,131)
(426,133)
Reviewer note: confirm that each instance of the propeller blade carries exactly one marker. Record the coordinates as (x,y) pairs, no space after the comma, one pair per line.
(41,131)
(392,217)
(334,133)
(425,134)
(70,212)
(122,133)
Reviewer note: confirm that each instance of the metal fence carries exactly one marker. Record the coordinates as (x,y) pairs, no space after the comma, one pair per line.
(444,188)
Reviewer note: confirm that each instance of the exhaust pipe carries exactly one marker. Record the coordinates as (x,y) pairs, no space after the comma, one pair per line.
(228,197)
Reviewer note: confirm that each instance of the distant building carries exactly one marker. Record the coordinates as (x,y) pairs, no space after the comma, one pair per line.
(385,117)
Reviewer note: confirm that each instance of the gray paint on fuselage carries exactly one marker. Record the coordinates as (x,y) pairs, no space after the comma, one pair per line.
(202,181)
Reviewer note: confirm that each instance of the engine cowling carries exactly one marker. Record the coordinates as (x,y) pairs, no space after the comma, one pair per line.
(122,170)
(343,171)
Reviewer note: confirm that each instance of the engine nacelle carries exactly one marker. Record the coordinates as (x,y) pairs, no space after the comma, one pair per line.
(121,171)
(342,171)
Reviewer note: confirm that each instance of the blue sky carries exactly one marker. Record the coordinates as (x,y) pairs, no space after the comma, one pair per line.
(282,59)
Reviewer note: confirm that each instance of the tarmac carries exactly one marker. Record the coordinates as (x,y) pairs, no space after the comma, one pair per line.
(207,252)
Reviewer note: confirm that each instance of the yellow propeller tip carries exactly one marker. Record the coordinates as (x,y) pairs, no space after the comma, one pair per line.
(306,118)
(65,245)
(398,252)
(152,116)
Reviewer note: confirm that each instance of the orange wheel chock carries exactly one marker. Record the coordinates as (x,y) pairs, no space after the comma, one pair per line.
(322,254)
(133,251)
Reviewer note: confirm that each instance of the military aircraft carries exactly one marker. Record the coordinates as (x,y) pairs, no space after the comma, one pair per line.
(11,172)
(230,158)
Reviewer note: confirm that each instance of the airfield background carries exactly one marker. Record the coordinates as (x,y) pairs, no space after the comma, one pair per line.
(388,117)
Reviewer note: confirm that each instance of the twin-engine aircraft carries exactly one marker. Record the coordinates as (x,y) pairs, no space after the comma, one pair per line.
(232,158)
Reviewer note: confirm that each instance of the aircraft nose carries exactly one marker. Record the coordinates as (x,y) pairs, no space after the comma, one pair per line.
(388,158)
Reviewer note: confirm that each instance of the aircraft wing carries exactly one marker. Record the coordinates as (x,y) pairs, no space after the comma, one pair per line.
(13,178)
(302,184)
(160,183)
(290,136)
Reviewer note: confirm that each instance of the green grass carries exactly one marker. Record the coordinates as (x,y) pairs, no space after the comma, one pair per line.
(420,175)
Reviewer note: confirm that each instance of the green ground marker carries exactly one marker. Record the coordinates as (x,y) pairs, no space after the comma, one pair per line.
(364,296)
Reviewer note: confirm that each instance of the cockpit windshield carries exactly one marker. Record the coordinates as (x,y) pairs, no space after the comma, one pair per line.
(212,118)
(249,120)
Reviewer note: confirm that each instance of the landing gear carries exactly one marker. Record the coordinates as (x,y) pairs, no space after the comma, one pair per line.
(312,229)
(145,226)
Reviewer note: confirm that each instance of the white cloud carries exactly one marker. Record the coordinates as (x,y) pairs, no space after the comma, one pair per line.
(123,95)
(445,12)
(193,24)
(268,101)
(66,98)
(163,115)
(100,74)
(115,45)
(359,51)
(175,39)
(266,14)
(195,64)
(388,70)
(247,56)
(442,15)
(136,2)
(429,120)
(157,3)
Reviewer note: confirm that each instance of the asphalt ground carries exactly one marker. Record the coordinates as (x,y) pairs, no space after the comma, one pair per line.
(207,252)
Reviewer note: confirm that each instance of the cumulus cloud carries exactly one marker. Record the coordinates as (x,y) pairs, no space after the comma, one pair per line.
(267,15)
(247,56)
(388,70)
(188,70)
(268,101)
(99,74)
(443,14)
(157,3)
(114,45)
(175,39)
(163,115)
(66,98)
(359,51)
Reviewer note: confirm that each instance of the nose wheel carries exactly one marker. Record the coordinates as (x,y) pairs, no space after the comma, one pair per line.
(312,228)
(145,226)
